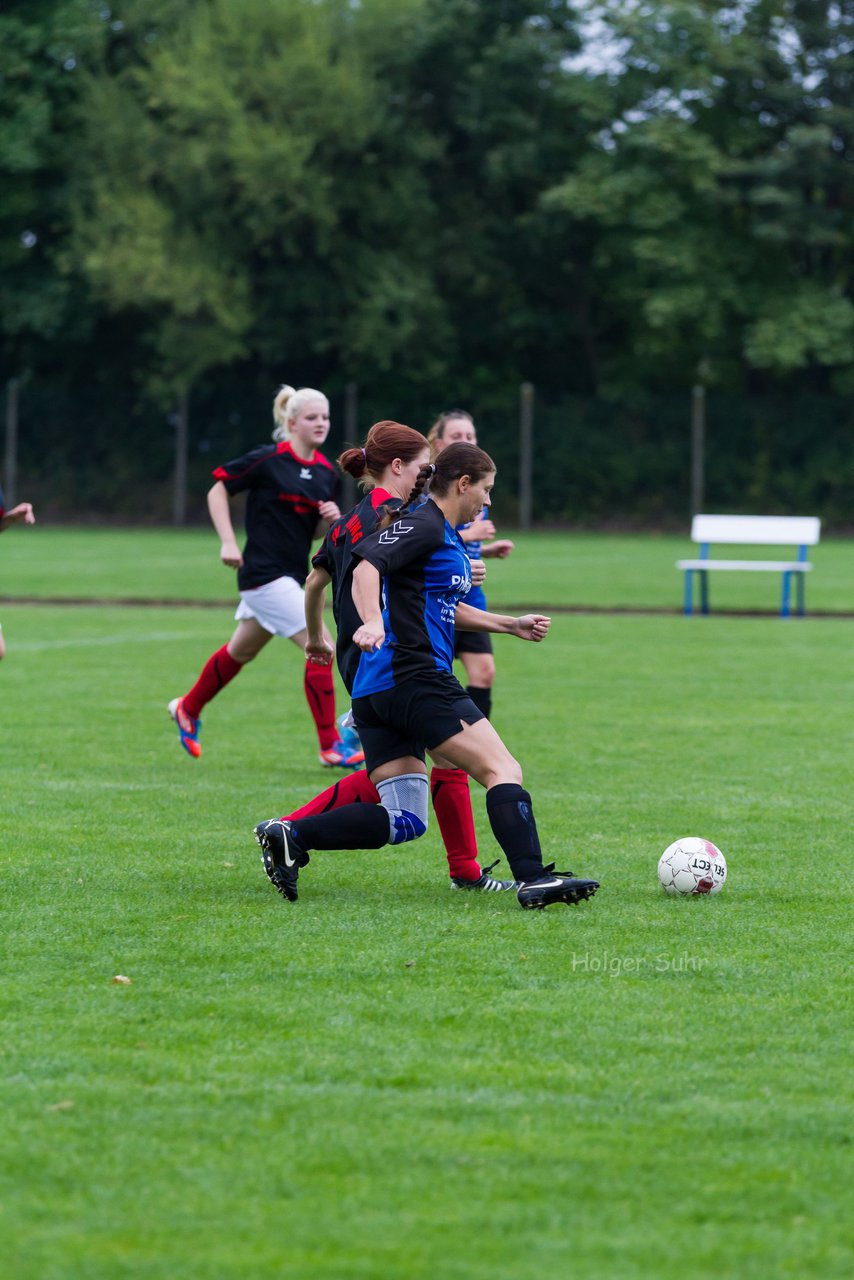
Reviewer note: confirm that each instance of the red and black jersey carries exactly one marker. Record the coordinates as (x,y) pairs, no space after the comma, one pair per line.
(2,505)
(336,558)
(284,494)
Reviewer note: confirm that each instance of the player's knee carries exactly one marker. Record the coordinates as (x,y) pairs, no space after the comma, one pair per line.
(405,798)
(514,771)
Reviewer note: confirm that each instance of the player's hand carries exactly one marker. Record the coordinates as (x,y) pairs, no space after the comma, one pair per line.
(478,573)
(482,528)
(22,512)
(329,511)
(230,555)
(533,626)
(320,652)
(369,636)
(501,549)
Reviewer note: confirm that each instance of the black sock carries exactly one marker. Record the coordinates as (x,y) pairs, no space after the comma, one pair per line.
(481,697)
(353,826)
(508,807)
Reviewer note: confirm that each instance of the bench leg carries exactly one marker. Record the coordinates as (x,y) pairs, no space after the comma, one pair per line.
(800,590)
(704,591)
(689,592)
(787,587)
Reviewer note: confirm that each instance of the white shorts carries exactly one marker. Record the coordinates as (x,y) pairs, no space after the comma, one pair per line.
(278,606)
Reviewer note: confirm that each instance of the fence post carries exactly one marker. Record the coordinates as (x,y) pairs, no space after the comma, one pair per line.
(698,447)
(349,491)
(179,494)
(526,452)
(10,461)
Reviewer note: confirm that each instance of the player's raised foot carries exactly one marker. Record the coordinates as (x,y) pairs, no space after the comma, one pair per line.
(485,882)
(188,727)
(339,757)
(554,886)
(281,854)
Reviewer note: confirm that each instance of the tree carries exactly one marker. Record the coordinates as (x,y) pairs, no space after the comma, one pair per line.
(720,194)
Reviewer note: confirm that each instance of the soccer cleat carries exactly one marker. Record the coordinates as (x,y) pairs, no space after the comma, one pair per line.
(338,756)
(282,855)
(485,883)
(348,734)
(554,886)
(188,727)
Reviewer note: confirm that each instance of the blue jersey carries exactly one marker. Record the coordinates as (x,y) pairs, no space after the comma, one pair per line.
(425,573)
(476,597)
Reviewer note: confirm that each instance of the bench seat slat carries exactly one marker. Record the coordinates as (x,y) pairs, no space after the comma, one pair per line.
(776,566)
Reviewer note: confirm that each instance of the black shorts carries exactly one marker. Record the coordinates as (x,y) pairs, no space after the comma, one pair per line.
(412,718)
(472,642)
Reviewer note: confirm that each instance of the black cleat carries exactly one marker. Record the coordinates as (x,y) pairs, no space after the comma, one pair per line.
(281,854)
(485,882)
(554,886)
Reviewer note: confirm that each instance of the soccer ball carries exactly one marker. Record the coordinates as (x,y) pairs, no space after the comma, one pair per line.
(690,866)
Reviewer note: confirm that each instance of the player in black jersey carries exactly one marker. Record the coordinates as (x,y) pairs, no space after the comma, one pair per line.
(472,648)
(292,497)
(22,513)
(389,463)
(408,589)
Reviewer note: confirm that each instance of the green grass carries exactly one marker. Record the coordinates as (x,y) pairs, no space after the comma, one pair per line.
(389,1080)
(568,569)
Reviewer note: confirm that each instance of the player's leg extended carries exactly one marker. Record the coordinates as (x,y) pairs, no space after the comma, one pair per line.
(220,669)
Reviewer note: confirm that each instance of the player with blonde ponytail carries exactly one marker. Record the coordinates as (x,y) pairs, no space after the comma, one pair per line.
(292,497)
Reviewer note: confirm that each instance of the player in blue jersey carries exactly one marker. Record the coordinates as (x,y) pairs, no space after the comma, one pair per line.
(22,513)
(292,497)
(387,466)
(409,590)
(472,648)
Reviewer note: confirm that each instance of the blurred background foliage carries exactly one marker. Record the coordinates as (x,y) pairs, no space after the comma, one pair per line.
(433,201)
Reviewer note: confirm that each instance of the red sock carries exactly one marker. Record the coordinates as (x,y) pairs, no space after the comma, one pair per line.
(353,788)
(449,789)
(320,696)
(219,669)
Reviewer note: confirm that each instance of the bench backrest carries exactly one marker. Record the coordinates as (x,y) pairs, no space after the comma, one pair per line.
(757,530)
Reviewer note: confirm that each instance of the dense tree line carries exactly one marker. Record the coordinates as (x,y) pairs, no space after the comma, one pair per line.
(435,200)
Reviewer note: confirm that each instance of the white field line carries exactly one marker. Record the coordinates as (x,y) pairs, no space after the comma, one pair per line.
(91,642)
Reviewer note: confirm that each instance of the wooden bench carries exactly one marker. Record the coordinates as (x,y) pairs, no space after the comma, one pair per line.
(768,531)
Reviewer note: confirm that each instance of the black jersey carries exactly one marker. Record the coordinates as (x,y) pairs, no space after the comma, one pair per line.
(335,557)
(284,493)
(425,572)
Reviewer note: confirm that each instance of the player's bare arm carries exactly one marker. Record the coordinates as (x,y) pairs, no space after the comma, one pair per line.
(317,647)
(498,550)
(530,626)
(366,598)
(21,514)
(220,513)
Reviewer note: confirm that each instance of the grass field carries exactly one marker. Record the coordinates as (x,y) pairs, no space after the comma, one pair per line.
(569,569)
(388,1080)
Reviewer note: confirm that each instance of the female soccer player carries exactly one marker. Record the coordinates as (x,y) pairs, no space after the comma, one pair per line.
(388,467)
(20,514)
(406,699)
(472,648)
(292,497)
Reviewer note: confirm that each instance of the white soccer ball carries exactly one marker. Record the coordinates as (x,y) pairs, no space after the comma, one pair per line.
(691,866)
